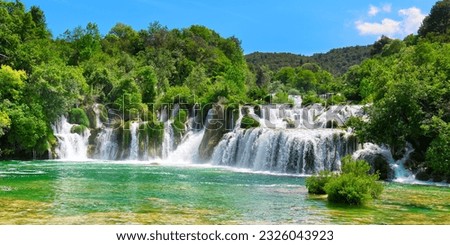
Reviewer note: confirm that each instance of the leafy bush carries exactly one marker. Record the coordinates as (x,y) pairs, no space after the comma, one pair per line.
(78,129)
(348,189)
(355,185)
(78,116)
(311,98)
(316,184)
(336,99)
(293,91)
(249,122)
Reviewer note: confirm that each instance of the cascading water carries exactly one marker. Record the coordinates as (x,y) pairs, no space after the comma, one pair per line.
(71,146)
(297,151)
(106,147)
(98,122)
(168,139)
(187,151)
(134,147)
(400,173)
(290,139)
(311,117)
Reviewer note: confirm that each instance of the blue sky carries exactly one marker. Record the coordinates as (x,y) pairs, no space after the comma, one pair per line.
(296,26)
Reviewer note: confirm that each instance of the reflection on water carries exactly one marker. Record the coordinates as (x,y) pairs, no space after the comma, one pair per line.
(56,192)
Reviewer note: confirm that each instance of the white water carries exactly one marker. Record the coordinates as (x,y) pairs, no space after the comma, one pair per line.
(98,122)
(71,146)
(312,117)
(107,147)
(134,146)
(297,151)
(168,140)
(290,140)
(187,151)
(401,174)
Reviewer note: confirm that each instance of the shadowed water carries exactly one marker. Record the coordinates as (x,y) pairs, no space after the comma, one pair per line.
(57,192)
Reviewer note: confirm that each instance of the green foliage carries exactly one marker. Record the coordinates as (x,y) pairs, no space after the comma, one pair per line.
(84,43)
(438,22)
(438,154)
(128,98)
(354,186)
(336,61)
(336,99)
(78,129)
(311,98)
(316,183)
(352,190)
(281,98)
(57,88)
(249,122)
(5,123)
(356,167)
(18,27)
(78,116)
(147,80)
(28,128)
(11,83)
(180,121)
(177,95)
(378,46)
(407,88)
(121,38)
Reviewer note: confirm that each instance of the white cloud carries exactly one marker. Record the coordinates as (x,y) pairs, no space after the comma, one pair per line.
(387,8)
(386,27)
(411,19)
(373,10)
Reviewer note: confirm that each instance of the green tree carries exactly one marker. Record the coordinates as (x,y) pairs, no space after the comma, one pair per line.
(57,88)
(11,83)
(438,21)
(121,38)
(438,154)
(147,80)
(198,81)
(84,42)
(28,130)
(5,123)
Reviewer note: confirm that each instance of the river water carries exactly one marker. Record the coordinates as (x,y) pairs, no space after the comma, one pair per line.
(133,192)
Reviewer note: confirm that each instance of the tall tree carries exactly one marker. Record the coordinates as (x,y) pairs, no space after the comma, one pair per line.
(438,22)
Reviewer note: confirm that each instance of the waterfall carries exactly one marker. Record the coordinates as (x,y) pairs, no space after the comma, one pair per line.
(106,147)
(400,173)
(312,117)
(168,140)
(71,146)
(134,146)
(297,99)
(291,139)
(298,151)
(187,151)
(98,122)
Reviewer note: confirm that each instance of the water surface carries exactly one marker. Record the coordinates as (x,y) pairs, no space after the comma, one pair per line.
(58,192)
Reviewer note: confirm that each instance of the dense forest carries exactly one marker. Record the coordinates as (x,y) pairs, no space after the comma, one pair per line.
(336,61)
(405,83)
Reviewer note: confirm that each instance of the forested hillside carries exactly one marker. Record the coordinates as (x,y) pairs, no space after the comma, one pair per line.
(336,61)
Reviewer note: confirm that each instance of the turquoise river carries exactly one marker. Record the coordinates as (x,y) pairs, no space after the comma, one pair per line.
(96,192)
